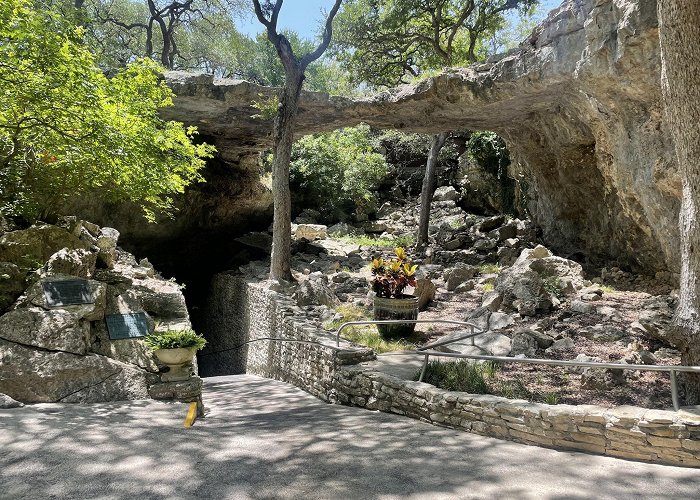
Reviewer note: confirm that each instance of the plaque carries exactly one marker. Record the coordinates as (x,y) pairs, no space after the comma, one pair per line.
(126,326)
(67,293)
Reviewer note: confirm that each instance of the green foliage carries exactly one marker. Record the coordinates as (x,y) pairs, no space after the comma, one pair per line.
(490,268)
(550,398)
(366,335)
(462,376)
(552,284)
(370,241)
(489,151)
(267,106)
(338,171)
(383,42)
(66,129)
(473,378)
(173,339)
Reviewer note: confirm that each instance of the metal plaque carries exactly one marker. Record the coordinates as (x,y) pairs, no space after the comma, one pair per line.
(126,326)
(67,292)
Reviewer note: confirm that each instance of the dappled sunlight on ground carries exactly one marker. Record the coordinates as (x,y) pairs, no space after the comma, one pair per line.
(266,439)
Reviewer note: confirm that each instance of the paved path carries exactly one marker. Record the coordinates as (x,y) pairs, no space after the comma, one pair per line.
(265,439)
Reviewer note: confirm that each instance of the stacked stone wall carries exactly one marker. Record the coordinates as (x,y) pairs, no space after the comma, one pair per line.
(335,375)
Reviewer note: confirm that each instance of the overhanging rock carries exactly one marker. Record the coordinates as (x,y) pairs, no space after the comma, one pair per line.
(579,104)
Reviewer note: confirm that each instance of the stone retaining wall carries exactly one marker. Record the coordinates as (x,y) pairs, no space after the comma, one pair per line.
(241,310)
(625,432)
(334,375)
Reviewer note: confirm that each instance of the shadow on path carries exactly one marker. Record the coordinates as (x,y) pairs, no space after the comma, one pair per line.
(266,439)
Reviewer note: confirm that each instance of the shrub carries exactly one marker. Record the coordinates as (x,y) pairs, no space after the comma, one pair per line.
(338,171)
(173,339)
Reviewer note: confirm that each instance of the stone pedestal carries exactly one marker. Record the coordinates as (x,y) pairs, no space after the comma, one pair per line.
(185,391)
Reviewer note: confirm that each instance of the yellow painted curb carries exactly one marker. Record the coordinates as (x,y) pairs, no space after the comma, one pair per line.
(191,415)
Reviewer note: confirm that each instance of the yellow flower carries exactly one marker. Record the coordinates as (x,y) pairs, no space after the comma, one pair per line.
(409,270)
(395,266)
(400,253)
(377,263)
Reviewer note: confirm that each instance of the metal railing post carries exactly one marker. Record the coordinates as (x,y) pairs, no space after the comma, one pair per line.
(674,391)
(472,332)
(425,367)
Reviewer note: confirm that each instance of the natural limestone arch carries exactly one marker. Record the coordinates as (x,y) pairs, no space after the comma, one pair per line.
(579,104)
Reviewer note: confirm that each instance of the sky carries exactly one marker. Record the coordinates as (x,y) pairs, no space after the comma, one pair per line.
(305,16)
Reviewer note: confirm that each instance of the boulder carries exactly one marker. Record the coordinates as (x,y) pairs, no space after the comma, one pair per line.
(499,321)
(425,291)
(655,317)
(315,292)
(457,275)
(492,300)
(565,344)
(31,248)
(37,376)
(310,232)
(107,244)
(54,330)
(491,223)
(12,284)
(7,402)
(77,262)
(527,285)
(523,344)
(446,193)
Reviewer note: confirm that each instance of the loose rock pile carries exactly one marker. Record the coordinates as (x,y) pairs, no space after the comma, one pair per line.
(492,272)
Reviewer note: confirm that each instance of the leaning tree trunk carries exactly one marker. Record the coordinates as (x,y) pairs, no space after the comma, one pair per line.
(426,194)
(280,266)
(679,28)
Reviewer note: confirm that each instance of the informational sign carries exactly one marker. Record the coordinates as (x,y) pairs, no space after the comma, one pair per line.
(126,326)
(67,292)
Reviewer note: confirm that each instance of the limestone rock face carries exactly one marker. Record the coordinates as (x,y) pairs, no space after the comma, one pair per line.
(37,376)
(64,353)
(579,104)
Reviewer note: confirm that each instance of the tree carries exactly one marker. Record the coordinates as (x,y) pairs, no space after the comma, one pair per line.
(283,133)
(66,129)
(679,31)
(386,41)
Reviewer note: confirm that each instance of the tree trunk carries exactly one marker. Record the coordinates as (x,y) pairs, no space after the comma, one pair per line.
(426,194)
(280,266)
(679,28)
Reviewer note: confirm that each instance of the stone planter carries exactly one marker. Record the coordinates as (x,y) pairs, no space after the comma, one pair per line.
(404,308)
(178,360)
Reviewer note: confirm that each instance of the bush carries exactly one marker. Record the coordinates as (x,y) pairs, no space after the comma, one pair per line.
(338,171)
(173,339)
(67,130)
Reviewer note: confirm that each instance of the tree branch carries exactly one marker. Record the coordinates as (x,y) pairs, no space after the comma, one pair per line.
(327,34)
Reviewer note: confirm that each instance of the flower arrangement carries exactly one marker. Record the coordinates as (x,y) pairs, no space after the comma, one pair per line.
(391,277)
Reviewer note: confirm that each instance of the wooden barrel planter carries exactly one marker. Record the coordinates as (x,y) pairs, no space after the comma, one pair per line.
(390,308)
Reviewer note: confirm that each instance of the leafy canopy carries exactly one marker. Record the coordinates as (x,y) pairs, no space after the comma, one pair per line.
(66,129)
(384,42)
(338,171)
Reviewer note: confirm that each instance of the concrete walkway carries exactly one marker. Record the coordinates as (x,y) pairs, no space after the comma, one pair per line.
(266,439)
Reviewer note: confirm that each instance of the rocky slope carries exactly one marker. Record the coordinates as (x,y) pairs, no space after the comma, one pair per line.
(578,103)
(52,353)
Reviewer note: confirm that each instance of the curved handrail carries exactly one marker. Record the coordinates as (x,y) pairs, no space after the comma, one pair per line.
(411,321)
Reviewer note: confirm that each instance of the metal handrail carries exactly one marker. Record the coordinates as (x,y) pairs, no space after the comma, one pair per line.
(671,369)
(412,321)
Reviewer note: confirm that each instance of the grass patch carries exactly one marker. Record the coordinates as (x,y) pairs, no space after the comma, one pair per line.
(367,335)
(480,378)
(607,289)
(488,287)
(371,241)
(490,268)
(553,286)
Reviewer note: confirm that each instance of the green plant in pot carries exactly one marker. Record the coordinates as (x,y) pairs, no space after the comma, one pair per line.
(175,349)
(391,278)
